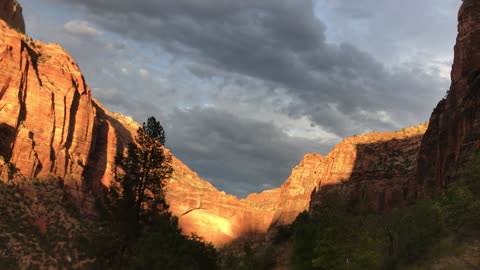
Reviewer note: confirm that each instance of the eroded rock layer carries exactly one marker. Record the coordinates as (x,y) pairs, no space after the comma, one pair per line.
(454,131)
(51,127)
(373,170)
(46,112)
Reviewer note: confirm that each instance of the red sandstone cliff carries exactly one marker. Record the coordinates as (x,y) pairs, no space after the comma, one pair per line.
(50,126)
(372,169)
(46,112)
(295,193)
(454,131)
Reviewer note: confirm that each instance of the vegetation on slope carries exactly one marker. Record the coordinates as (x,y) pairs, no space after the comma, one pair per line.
(425,235)
(40,228)
(435,233)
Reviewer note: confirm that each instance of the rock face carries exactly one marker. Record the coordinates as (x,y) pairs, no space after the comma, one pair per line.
(51,127)
(454,131)
(46,112)
(295,193)
(11,13)
(372,169)
(216,216)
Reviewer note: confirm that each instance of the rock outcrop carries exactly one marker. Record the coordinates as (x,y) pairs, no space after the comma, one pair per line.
(295,193)
(11,13)
(454,131)
(51,127)
(217,216)
(373,170)
(46,112)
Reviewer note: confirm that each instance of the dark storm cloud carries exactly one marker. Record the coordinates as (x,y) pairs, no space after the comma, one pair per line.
(283,42)
(247,152)
(263,66)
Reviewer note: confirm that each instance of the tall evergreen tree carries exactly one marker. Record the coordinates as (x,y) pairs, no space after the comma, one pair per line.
(145,235)
(142,175)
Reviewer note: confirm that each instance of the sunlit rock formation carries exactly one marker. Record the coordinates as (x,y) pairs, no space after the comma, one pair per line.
(373,170)
(52,127)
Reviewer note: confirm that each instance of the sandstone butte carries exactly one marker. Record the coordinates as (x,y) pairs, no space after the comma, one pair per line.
(454,132)
(52,128)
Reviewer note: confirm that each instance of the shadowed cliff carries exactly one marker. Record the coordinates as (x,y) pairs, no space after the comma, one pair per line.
(372,171)
(454,131)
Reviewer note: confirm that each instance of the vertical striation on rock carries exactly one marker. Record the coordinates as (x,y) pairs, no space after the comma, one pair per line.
(296,191)
(454,131)
(51,127)
(46,113)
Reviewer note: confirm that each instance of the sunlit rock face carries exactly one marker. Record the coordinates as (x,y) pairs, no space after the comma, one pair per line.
(51,127)
(295,193)
(454,131)
(373,170)
(46,112)
(11,13)
(217,216)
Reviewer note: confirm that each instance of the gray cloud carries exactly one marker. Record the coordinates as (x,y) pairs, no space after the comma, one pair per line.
(81,27)
(216,68)
(283,42)
(249,152)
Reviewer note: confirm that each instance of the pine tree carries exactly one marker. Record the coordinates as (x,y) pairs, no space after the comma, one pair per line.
(143,174)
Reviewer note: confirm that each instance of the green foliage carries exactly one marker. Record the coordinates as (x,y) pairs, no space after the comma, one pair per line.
(144,233)
(343,236)
(248,255)
(412,231)
(39,231)
(336,239)
(460,209)
(304,239)
(164,247)
(461,204)
(140,190)
(282,234)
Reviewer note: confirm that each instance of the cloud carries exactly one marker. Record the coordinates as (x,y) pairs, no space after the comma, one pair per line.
(221,145)
(310,72)
(81,28)
(283,42)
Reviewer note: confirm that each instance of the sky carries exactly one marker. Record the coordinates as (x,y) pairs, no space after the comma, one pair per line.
(244,89)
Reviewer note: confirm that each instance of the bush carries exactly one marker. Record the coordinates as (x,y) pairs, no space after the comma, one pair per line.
(414,230)
(336,239)
(282,234)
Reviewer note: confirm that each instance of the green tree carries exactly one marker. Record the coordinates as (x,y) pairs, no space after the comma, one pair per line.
(415,230)
(147,234)
(142,175)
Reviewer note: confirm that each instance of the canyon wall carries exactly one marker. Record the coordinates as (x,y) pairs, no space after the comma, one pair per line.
(52,128)
(372,171)
(454,131)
